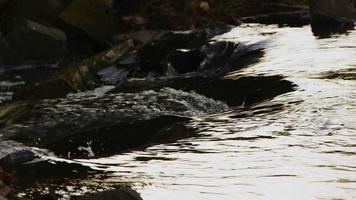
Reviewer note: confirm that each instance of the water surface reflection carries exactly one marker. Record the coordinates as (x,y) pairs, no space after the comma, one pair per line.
(300,145)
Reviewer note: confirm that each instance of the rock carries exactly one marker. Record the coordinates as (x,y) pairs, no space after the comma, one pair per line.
(2,198)
(119,194)
(184,61)
(17,158)
(75,77)
(86,124)
(296,18)
(4,190)
(141,37)
(42,11)
(32,41)
(154,56)
(329,12)
(114,75)
(92,17)
(244,90)
(226,56)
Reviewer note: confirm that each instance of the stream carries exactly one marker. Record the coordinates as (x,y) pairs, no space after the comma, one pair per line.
(192,136)
(299,145)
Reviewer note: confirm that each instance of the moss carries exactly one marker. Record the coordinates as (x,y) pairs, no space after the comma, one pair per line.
(9,112)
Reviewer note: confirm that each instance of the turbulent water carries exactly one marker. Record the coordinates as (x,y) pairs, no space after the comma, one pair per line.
(300,145)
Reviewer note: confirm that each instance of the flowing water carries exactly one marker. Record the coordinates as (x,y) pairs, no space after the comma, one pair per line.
(300,145)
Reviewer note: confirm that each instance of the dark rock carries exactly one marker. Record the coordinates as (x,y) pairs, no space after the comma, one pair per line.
(13,154)
(114,75)
(153,56)
(76,77)
(297,18)
(17,158)
(141,37)
(119,194)
(42,11)
(226,55)
(93,17)
(184,61)
(32,41)
(88,124)
(326,29)
(331,12)
(242,90)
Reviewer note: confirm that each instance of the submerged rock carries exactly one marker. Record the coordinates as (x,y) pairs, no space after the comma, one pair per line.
(87,125)
(241,90)
(119,194)
(32,41)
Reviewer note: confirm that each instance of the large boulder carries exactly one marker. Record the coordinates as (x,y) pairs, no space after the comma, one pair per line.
(93,17)
(43,11)
(333,11)
(32,41)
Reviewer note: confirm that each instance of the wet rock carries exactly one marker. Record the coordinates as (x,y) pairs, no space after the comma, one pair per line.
(88,124)
(93,17)
(114,75)
(13,154)
(296,18)
(184,61)
(154,56)
(141,37)
(17,158)
(76,77)
(347,74)
(119,194)
(32,41)
(222,54)
(242,90)
(331,12)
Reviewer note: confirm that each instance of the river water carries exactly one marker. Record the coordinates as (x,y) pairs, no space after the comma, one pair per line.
(300,145)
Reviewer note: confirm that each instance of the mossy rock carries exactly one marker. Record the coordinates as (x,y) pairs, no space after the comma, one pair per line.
(92,17)
(10,112)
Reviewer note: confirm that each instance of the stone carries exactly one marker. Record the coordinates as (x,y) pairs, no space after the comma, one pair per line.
(184,61)
(333,11)
(76,77)
(92,17)
(32,41)
(119,194)
(154,55)
(114,75)
(43,11)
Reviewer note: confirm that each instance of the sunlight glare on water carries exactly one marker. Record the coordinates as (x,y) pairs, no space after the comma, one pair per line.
(304,148)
